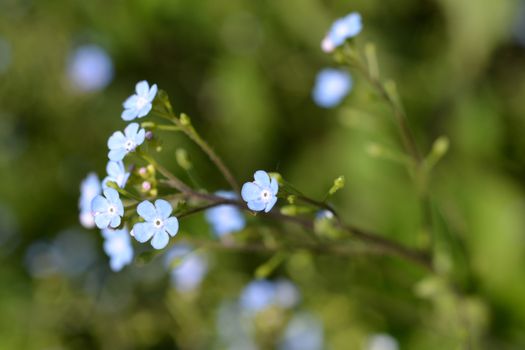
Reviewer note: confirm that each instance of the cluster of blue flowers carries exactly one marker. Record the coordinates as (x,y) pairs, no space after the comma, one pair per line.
(333,85)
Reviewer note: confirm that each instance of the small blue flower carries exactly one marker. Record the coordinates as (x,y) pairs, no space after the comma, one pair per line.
(89,189)
(331,87)
(107,209)
(121,144)
(342,29)
(159,224)
(139,105)
(225,218)
(303,332)
(117,245)
(116,173)
(90,68)
(257,295)
(189,273)
(260,194)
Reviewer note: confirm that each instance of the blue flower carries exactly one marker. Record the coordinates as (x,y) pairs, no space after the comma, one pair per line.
(159,224)
(260,294)
(342,29)
(260,194)
(303,332)
(331,87)
(90,68)
(139,105)
(89,189)
(116,173)
(121,144)
(189,273)
(117,246)
(107,209)
(225,218)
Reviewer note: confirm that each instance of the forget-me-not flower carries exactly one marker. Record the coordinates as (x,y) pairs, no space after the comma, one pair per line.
(303,332)
(120,144)
(260,294)
(89,189)
(117,245)
(342,29)
(331,87)
(189,273)
(90,68)
(260,194)
(159,224)
(225,218)
(116,173)
(107,209)
(139,104)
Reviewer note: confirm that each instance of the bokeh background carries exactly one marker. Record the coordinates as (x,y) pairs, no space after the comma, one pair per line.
(244,71)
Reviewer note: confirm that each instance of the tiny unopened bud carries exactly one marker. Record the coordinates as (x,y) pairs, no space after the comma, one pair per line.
(146,186)
(338,184)
(185,120)
(440,146)
(143,171)
(291,199)
(149,135)
(158,148)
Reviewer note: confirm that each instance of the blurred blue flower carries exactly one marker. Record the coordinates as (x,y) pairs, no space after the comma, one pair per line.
(117,246)
(188,274)
(120,144)
(261,294)
(116,173)
(331,87)
(139,105)
(107,209)
(158,225)
(260,194)
(303,332)
(89,189)
(382,341)
(5,55)
(226,218)
(342,29)
(90,68)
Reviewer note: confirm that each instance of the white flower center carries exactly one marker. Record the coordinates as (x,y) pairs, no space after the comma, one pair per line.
(141,102)
(129,145)
(266,195)
(158,223)
(112,209)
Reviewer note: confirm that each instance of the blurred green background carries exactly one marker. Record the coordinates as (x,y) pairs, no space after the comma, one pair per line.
(244,70)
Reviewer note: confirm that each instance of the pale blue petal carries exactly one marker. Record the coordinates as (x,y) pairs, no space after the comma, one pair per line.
(115,221)
(139,138)
(147,210)
(270,204)
(256,205)
(131,130)
(250,191)
(117,154)
(142,88)
(99,204)
(120,208)
(274,186)
(102,220)
(112,195)
(108,233)
(143,231)
(172,226)
(129,114)
(114,169)
(130,102)
(160,240)
(164,208)
(144,110)
(116,140)
(152,93)
(262,178)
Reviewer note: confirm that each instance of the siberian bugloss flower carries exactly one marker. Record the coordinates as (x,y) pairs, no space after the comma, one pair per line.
(120,144)
(225,218)
(158,225)
(188,274)
(117,246)
(260,194)
(90,68)
(331,87)
(89,189)
(303,332)
(116,173)
(260,294)
(107,209)
(139,104)
(342,29)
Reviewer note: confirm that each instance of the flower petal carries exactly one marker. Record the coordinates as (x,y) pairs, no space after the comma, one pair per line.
(164,208)
(99,204)
(172,226)
(142,88)
(129,114)
(144,110)
(139,138)
(274,186)
(143,231)
(113,169)
(256,205)
(147,210)
(262,178)
(112,195)
(115,221)
(131,130)
(116,140)
(102,220)
(160,239)
(152,92)
(270,204)
(117,154)
(130,102)
(250,191)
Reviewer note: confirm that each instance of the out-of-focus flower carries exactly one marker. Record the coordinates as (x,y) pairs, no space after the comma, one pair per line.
(117,246)
(5,55)
(261,294)
(107,209)
(303,332)
(225,218)
(159,224)
(260,194)
(116,173)
(381,341)
(139,104)
(188,274)
(331,87)
(341,30)
(90,68)
(120,144)
(89,189)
